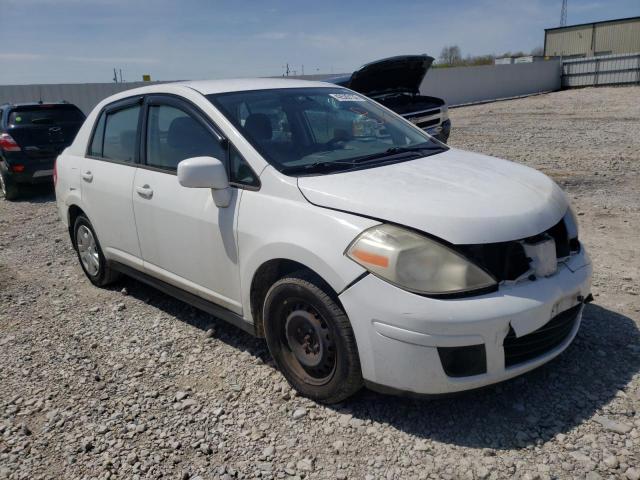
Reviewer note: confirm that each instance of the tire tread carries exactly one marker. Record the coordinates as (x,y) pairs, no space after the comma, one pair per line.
(309,281)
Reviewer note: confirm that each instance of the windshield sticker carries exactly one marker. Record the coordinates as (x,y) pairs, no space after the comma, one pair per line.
(347,97)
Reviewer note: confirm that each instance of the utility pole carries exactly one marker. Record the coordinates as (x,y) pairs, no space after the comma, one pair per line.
(563,13)
(120,75)
(115,75)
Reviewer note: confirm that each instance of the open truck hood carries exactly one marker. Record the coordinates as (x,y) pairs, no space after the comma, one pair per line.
(401,74)
(458,196)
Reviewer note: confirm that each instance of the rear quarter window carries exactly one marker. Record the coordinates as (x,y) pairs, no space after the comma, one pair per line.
(95,149)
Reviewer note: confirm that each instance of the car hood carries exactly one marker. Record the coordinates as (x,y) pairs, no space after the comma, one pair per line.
(458,196)
(390,75)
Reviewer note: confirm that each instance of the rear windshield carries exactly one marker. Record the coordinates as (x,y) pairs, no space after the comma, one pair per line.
(45,115)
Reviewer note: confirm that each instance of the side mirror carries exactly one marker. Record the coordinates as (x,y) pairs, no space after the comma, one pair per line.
(206,172)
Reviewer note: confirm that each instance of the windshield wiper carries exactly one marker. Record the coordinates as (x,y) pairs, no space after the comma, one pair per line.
(388,154)
(393,151)
(42,120)
(318,166)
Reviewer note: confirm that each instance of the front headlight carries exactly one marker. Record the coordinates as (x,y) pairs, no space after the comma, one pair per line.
(416,263)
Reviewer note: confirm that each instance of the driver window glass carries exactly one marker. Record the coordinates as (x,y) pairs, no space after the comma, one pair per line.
(173,135)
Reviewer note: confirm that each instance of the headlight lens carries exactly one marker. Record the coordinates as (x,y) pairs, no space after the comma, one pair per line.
(416,263)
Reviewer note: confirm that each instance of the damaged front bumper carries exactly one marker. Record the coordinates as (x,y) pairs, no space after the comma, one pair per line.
(411,343)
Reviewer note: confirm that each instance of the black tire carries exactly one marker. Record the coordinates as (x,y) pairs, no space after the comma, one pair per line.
(311,339)
(8,189)
(104,274)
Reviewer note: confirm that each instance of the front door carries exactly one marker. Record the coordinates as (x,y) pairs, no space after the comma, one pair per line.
(185,239)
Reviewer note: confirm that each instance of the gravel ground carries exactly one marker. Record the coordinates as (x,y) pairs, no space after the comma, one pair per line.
(127,383)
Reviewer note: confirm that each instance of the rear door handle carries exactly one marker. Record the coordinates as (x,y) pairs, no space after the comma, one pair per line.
(87,176)
(145,191)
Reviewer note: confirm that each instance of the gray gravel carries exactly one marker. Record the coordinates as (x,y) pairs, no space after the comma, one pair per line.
(127,383)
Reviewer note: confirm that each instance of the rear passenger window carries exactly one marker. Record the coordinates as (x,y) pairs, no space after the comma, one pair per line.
(120,134)
(173,135)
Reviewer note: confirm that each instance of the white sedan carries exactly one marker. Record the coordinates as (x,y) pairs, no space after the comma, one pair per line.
(364,251)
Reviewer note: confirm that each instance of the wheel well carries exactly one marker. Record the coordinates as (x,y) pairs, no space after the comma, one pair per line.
(269,273)
(73,213)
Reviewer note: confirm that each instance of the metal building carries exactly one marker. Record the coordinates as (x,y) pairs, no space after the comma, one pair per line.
(593,39)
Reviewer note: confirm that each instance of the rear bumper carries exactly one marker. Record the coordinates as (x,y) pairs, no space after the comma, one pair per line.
(35,170)
(403,339)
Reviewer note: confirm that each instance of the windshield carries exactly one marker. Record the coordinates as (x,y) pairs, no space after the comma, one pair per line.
(321,130)
(45,115)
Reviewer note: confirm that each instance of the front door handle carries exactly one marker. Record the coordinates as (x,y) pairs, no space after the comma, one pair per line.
(87,176)
(145,191)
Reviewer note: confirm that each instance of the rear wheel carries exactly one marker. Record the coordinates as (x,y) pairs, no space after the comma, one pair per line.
(7,187)
(90,254)
(310,339)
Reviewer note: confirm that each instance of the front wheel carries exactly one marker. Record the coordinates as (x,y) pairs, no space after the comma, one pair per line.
(311,339)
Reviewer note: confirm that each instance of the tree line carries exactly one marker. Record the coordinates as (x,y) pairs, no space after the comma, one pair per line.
(451,56)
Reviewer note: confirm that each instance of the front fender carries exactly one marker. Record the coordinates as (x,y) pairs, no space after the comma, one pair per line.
(312,236)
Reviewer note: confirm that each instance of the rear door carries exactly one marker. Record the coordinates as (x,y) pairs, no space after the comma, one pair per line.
(43,131)
(107,174)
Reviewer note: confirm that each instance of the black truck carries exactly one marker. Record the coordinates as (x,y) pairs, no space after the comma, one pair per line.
(395,83)
(32,135)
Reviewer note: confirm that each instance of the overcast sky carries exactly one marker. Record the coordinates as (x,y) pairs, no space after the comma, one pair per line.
(70,41)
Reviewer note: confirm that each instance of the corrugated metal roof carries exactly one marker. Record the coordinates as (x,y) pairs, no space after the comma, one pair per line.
(598,38)
(593,23)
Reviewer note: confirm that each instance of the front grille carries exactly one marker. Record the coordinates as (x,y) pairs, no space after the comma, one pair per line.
(538,342)
(503,260)
(421,113)
(428,123)
(507,260)
(424,119)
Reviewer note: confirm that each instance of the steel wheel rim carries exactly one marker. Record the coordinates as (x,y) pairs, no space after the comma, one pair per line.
(88,250)
(309,343)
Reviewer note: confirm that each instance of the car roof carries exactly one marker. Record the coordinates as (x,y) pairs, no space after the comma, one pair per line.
(208,87)
(35,104)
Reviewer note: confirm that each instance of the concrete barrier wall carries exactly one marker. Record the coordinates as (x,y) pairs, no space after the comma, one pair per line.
(84,95)
(456,85)
(461,85)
